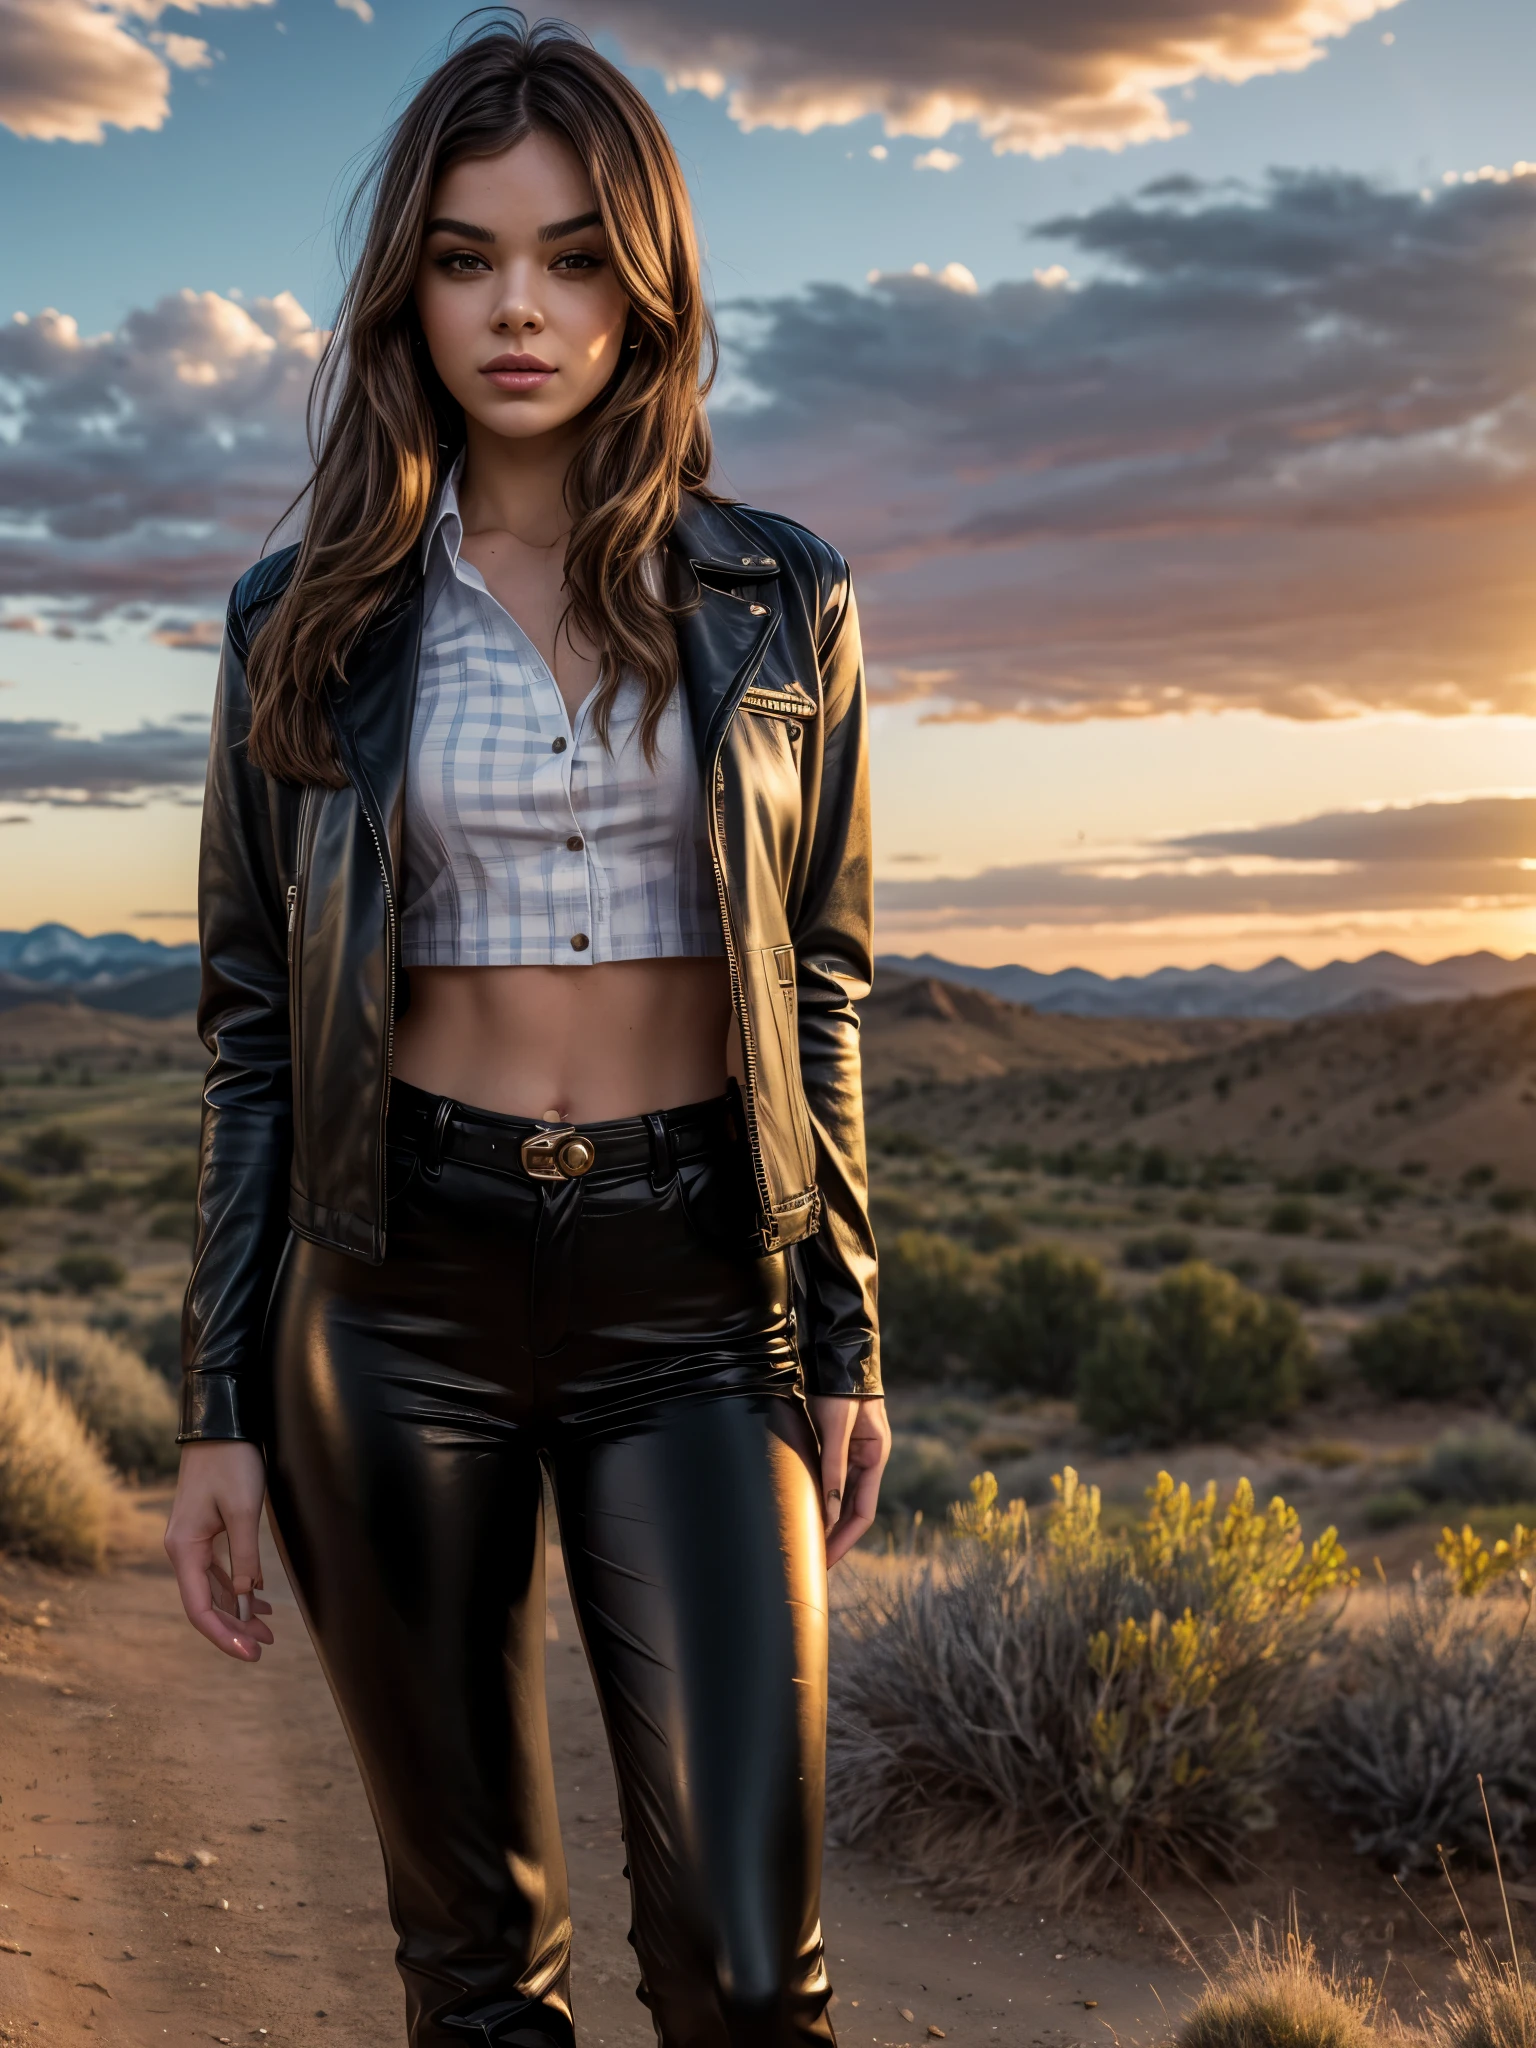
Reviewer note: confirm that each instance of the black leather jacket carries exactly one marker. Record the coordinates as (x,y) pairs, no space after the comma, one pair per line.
(300,938)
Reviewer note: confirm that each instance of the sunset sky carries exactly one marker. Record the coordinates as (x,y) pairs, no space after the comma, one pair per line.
(1168,374)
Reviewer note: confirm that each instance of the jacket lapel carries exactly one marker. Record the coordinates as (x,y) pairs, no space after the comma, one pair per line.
(374,708)
(721,638)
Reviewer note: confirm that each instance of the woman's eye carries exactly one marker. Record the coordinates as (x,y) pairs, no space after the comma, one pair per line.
(577,259)
(461,263)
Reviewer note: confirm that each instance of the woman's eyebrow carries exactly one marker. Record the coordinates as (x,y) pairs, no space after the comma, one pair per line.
(466,228)
(558,229)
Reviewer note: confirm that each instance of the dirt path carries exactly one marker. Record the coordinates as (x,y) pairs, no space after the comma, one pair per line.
(186,1856)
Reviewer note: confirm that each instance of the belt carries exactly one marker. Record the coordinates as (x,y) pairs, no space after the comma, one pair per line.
(438,1128)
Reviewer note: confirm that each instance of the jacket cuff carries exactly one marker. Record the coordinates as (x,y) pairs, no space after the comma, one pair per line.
(844,1378)
(211,1410)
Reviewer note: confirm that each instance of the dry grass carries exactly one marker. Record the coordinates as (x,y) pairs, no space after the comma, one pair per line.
(56,1493)
(1278,1995)
(126,1406)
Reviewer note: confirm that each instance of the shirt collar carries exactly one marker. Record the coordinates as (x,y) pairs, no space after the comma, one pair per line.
(445,518)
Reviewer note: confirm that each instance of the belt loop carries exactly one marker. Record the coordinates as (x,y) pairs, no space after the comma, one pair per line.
(663,1153)
(432,1150)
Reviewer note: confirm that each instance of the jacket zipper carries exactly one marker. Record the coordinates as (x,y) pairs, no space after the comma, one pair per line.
(738,997)
(389,998)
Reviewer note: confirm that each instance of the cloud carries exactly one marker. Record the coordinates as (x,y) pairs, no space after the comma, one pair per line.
(1034,76)
(70,69)
(360,8)
(1473,854)
(936,160)
(1272,448)
(44,761)
(146,465)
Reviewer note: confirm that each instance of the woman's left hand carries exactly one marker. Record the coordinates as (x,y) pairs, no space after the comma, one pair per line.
(855,1443)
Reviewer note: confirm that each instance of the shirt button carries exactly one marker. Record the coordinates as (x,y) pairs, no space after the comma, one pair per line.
(580,941)
(575,843)
(557,746)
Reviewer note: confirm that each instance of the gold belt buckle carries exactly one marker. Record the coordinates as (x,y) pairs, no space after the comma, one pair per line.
(560,1153)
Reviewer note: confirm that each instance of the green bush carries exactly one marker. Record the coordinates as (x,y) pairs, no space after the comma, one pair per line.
(1393,1507)
(1198,1356)
(1067,1707)
(126,1406)
(94,1195)
(174,1183)
(1498,1259)
(55,1149)
(922,1477)
(1374,1281)
(1299,1280)
(15,1190)
(930,1311)
(83,1272)
(1044,1316)
(1486,1467)
(1448,1343)
(1291,1216)
(160,1343)
(1158,1249)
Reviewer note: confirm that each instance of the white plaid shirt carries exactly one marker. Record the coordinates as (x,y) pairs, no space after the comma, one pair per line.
(529,843)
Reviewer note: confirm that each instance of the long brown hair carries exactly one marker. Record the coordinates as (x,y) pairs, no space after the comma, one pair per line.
(383,427)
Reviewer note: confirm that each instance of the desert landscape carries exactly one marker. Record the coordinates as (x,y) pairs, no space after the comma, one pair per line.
(1045,1189)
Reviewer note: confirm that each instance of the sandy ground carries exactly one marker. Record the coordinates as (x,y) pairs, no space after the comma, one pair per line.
(186,1856)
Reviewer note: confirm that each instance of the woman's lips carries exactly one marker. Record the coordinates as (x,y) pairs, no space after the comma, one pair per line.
(518,373)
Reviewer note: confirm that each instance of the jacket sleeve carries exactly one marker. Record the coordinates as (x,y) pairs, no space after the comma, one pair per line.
(834,967)
(242,1188)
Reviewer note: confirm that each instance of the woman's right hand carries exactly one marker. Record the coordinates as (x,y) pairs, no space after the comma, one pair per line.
(219,1493)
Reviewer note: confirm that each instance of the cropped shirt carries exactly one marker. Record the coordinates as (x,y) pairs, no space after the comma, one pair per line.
(528,842)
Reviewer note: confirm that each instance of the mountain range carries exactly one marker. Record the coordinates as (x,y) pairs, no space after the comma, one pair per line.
(109,971)
(116,971)
(1279,989)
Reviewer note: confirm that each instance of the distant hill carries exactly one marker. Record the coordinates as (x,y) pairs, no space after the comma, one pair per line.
(920,1029)
(1278,989)
(1442,1086)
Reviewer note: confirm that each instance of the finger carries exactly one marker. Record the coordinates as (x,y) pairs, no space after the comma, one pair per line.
(243,1527)
(192,1561)
(858,1511)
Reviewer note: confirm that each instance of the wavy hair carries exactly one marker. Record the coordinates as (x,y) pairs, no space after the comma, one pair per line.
(383,428)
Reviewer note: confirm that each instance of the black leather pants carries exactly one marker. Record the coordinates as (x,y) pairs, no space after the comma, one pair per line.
(612,1330)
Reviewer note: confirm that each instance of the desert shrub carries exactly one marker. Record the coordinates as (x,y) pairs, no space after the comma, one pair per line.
(1512,1201)
(94,1195)
(1291,1216)
(1488,1466)
(1157,1249)
(1198,1356)
(1278,1995)
(1374,1282)
(1394,1506)
(930,1311)
(1056,1708)
(1045,1313)
(159,1342)
(1470,1567)
(922,1477)
(991,1227)
(83,1272)
(174,1183)
(1414,1710)
(55,1489)
(1498,1258)
(178,1223)
(15,1190)
(1449,1342)
(55,1149)
(128,1408)
(1300,1280)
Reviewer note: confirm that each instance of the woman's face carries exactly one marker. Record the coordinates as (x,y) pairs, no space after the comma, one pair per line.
(522,313)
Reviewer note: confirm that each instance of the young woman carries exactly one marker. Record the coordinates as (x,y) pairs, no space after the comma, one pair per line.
(534,904)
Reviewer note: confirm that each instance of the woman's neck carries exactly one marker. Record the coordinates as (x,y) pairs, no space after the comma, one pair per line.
(517,486)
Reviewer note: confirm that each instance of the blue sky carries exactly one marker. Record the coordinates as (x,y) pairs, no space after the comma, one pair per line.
(1104,684)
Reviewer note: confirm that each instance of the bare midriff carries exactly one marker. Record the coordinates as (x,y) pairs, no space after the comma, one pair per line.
(569,1044)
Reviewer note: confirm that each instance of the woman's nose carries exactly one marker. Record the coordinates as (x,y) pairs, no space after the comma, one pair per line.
(518,309)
